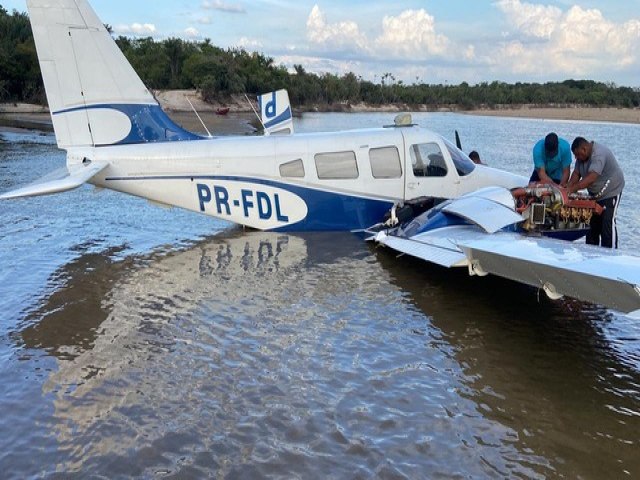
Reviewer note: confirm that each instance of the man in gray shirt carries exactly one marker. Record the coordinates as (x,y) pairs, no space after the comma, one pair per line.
(598,171)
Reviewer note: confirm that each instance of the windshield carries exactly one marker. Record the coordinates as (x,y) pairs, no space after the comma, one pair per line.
(464,165)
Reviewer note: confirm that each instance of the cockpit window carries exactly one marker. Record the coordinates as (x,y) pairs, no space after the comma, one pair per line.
(464,165)
(427,160)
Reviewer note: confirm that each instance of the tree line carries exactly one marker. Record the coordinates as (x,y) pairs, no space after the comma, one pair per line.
(217,73)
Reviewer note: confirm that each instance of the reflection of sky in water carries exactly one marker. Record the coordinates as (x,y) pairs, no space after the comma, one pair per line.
(39,234)
(263,343)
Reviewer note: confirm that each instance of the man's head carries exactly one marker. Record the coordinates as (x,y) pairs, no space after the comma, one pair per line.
(581,148)
(551,145)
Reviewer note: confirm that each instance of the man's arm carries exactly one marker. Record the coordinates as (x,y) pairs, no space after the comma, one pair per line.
(565,176)
(584,183)
(574,179)
(544,178)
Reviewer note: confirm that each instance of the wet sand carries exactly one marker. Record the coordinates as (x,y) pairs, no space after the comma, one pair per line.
(229,124)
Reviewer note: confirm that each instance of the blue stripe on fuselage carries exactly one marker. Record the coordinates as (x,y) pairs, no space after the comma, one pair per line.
(327,211)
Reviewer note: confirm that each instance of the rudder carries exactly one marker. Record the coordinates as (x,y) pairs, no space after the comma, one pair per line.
(95,97)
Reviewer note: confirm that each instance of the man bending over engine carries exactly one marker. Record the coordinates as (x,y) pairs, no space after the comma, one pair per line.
(551,160)
(598,171)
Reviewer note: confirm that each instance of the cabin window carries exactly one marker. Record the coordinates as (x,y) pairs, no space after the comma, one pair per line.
(464,165)
(385,162)
(427,160)
(294,169)
(336,165)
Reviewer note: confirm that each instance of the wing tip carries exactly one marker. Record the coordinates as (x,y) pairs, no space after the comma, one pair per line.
(634,314)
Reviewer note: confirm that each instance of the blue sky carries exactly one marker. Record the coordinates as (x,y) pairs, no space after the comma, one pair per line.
(432,41)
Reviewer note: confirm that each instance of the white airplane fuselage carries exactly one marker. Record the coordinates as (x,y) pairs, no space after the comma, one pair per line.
(320,181)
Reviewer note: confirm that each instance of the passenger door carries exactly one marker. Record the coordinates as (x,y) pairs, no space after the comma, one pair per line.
(429,172)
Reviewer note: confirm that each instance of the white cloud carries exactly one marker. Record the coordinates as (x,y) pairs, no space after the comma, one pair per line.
(135,29)
(573,42)
(337,36)
(411,34)
(192,32)
(535,20)
(222,6)
(319,65)
(249,44)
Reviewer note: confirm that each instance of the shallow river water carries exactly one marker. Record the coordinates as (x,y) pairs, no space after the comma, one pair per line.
(137,341)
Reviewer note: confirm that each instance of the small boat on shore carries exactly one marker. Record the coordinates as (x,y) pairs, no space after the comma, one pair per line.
(222,111)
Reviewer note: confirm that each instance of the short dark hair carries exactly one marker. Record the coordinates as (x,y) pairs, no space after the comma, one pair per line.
(551,144)
(578,142)
(473,155)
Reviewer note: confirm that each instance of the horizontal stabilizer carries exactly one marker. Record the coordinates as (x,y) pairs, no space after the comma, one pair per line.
(61,180)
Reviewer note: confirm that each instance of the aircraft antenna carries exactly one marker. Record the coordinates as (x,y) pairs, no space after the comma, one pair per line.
(194,111)
(254,111)
(458,142)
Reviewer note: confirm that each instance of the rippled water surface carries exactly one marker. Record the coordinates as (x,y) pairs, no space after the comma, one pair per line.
(137,341)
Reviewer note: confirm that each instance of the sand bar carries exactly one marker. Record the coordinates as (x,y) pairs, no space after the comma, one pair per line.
(591,114)
(240,117)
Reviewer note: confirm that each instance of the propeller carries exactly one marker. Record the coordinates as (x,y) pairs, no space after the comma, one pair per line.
(458,142)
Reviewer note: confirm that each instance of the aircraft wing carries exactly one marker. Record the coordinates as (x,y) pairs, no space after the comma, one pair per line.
(594,274)
(63,179)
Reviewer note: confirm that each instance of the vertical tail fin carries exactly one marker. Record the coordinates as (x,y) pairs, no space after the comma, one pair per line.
(95,97)
(275,112)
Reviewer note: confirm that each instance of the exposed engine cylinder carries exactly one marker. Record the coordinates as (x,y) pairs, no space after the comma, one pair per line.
(549,207)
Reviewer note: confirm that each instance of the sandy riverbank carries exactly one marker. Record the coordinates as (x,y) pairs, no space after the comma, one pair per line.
(238,121)
(616,115)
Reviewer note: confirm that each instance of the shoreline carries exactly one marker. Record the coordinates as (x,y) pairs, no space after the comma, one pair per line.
(24,117)
(591,114)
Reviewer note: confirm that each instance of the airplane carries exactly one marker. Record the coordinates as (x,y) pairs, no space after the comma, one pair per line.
(116,136)
(499,231)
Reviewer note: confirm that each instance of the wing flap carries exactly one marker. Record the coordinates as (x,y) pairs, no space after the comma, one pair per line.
(61,180)
(430,252)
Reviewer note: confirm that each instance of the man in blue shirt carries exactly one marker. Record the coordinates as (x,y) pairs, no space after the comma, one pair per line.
(551,160)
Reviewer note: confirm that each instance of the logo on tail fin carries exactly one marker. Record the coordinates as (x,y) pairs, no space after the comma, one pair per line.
(275,112)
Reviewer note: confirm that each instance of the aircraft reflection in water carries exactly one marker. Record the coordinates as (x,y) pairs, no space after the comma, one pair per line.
(112,318)
(230,343)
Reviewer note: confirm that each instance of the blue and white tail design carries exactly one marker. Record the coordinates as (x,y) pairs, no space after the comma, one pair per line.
(95,97)
(275,112)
